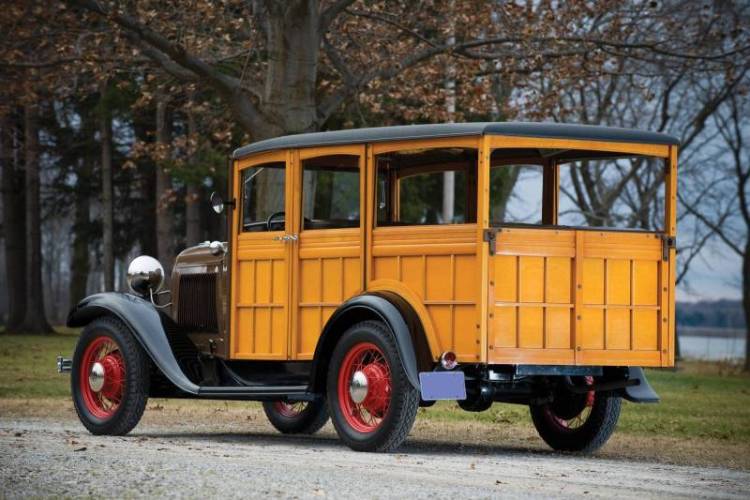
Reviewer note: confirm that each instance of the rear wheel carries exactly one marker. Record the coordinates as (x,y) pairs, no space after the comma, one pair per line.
(577,422)
(371,401)
(300,417)
(109,378)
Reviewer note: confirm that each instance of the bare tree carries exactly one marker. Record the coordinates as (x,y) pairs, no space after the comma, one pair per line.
(730,194)
(35,319)
(105,134)
(193,194)
(14,217)
(164,240)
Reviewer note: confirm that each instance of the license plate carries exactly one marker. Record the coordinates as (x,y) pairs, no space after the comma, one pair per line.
(436,386)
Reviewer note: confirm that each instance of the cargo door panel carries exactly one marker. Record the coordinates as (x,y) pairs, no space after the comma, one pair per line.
(571,296)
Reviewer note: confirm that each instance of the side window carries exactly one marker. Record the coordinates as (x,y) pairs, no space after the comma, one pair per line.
(516,194)
(427,186)
(263,197)
(330,192)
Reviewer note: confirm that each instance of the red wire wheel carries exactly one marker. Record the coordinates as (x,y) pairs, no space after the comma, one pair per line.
(573,421)
(289,410)
(574,411)
(110,377)
(364,387)
(297,417)
(102,377)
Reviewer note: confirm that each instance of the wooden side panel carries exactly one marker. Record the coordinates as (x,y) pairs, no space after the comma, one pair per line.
(438,265)
(576,297)
(329,272)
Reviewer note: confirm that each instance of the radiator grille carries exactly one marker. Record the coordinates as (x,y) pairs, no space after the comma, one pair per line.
(196,309)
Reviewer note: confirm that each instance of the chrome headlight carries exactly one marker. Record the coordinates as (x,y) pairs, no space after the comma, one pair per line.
(145,274)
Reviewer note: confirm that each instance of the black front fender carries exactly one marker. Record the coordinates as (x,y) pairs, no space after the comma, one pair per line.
(368,306)
(144,321)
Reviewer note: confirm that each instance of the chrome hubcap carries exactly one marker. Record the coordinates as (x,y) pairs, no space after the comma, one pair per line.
(96,377)
(358,386)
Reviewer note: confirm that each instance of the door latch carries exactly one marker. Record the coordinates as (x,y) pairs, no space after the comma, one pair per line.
(286,238)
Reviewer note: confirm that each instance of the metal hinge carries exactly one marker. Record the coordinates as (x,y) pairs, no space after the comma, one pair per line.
(667,243)
(490,236)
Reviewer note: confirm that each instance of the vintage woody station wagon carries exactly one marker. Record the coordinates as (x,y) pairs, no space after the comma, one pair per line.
(369,272)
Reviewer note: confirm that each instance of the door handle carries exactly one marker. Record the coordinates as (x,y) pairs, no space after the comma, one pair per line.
(286,238)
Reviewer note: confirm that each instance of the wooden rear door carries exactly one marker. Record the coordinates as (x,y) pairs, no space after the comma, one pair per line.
(585,297)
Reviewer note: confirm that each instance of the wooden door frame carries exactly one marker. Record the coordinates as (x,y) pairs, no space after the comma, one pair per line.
(236,219)
(666,325)
(374,149)
(297,157)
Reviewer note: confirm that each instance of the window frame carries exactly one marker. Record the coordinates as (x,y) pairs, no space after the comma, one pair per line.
(472,143)
(551,175)
(260,162)
(550,188)
(302,160)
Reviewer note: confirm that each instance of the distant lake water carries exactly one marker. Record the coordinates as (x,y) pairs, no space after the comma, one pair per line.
(713,344)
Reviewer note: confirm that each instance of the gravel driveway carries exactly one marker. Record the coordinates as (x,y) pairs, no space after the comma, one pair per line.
(43,458)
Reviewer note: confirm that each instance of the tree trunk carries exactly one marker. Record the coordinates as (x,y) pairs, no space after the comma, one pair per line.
(79,267)
(14,225)
(293,40)
(35,319)
(449,177)
(746,301)
(105,131)
(193,195)
(164,242)
(143,127)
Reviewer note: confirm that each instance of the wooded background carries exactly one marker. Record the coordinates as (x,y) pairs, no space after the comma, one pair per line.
(117,118)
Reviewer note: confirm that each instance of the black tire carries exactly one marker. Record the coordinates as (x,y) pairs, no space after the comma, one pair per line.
(133,387)
(307,420)
(595,430)
(398,419)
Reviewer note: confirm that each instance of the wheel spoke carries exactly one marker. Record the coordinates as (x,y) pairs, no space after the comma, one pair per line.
(366,415)
(103,403)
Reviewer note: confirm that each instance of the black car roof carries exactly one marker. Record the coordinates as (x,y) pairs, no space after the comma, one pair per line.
(435,131)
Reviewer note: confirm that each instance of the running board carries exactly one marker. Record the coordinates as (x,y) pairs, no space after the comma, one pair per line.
(294,392)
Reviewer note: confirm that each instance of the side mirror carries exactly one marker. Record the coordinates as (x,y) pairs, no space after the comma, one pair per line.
(217,202)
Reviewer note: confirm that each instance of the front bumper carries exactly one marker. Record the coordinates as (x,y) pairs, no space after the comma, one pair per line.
(64,365)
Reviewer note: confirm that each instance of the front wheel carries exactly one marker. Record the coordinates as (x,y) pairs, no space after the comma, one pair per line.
(109,378)
(577,422)
(371,401)
(297,418)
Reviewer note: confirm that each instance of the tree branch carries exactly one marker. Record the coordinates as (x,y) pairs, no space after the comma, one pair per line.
(327,16)
(172,56)
(714,227)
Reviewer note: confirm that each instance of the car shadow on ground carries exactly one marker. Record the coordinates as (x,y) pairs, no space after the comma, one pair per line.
(411,446)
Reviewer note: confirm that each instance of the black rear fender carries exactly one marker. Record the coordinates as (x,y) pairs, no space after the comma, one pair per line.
(377,307)
(145,322)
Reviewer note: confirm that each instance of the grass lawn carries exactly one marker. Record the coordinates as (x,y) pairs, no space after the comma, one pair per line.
(705,400)
(704,403)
